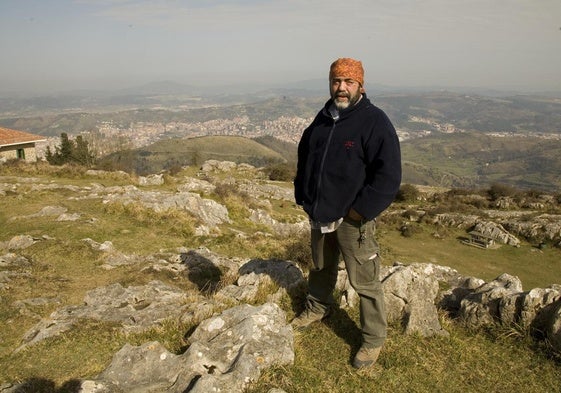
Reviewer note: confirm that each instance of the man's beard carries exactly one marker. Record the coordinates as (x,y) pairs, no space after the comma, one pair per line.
(350,101)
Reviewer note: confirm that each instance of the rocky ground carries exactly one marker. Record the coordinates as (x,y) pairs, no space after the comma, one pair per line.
(232,346)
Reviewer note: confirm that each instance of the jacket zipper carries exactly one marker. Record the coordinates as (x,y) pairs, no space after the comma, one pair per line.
(318,188)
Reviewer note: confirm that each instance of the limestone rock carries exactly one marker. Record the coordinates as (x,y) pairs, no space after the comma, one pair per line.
(410,293)
(279,228)
(226,353)
(496,232)
(135,308)
(553,327)
(20,242)
(210,212)
(196,185)
(482,306)
(151,180)
(220,166)
(259,272)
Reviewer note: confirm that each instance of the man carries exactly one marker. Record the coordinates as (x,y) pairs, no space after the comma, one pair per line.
(349,171)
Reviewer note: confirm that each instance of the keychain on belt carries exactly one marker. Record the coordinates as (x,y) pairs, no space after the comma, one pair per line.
(362,234)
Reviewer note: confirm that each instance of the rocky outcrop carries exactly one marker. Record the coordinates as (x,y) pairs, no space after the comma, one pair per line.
(231,347)
(135,308)
(210,215)
(542,227)
(12,266)
(410,293)
(496,232)
(208,211)
(482,306)
(225,166)
(267,190)
(234,342)
(226,353)
(260,216)
(506,225)
(151,180)
(456,220)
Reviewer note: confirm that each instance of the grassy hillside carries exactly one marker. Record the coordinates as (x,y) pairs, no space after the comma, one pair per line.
(471,158)
(174,153)
(462,160)
(285,149)
(478,160)
(518,114)
(63,268)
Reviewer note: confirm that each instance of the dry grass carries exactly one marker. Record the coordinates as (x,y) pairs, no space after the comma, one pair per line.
(467,361)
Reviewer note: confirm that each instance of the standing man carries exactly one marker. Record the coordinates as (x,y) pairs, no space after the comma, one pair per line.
(349,171)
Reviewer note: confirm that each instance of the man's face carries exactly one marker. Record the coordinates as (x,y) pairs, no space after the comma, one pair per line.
(345,92)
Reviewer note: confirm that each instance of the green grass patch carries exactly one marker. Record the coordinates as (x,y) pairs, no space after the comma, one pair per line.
(535,267)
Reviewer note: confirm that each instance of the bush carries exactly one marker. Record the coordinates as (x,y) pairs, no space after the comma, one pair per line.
(408,230)
(407,193)
(281,172)
(497,191)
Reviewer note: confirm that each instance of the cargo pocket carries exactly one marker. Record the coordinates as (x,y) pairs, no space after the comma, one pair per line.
(359,246)
(367,272)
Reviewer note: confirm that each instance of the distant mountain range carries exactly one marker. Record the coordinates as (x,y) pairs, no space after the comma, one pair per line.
(172,94)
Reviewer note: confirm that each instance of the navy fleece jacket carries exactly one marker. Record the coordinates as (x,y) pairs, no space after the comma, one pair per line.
(353,161)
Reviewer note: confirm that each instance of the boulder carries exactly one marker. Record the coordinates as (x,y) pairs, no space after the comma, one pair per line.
(482,306)
(151,180)
(410,293)
(496,232)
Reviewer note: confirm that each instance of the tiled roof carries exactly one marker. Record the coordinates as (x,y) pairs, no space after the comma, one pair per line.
(13,137)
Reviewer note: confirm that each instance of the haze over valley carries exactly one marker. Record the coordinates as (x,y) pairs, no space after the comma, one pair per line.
(449,138)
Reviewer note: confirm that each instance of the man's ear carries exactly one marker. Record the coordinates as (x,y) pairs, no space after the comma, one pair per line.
(362,91)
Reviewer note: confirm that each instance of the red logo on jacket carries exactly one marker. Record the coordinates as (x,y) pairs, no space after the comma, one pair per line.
(349,144)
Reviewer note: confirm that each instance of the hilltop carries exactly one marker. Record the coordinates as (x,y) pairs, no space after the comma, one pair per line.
(457,160)
(177,152)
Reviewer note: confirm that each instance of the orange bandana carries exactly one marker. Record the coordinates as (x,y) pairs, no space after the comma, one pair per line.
(347,68)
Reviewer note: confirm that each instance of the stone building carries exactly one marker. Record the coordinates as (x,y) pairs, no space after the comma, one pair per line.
(18,145)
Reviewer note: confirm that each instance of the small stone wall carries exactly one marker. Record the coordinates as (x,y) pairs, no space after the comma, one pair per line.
(11,152)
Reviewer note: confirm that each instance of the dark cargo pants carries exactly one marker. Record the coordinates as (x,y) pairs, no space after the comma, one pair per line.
(355,241)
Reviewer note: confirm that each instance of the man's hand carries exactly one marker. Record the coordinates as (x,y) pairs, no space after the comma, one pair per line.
(354,215)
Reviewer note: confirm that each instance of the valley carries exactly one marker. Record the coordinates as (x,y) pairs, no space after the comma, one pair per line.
(448,139)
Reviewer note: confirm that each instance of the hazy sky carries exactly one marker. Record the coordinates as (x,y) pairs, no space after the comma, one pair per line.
(67,44)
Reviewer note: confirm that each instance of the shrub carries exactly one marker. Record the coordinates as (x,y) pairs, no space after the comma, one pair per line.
(497,191)
(459,191)
(408,230)
(407,193)
(281,172)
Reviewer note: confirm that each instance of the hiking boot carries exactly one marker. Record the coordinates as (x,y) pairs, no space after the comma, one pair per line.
(307,317)
(366,357)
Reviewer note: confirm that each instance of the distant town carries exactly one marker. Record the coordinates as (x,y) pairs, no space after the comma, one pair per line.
(110,137)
